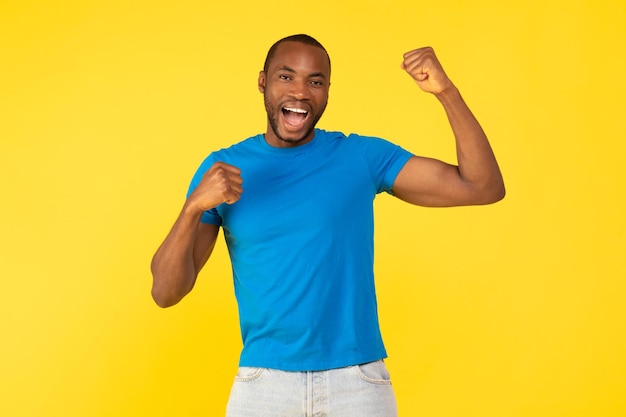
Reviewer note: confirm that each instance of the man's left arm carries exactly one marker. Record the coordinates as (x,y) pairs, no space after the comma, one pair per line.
(430,182)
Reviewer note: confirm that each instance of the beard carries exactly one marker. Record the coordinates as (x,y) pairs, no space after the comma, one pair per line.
(272,118)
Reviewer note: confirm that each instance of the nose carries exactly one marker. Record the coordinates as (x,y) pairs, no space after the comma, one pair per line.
(299,90)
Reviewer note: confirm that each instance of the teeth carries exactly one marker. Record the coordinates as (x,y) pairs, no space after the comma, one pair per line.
(296,110)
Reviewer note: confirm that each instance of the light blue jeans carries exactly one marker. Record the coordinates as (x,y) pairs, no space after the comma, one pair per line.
(356,391)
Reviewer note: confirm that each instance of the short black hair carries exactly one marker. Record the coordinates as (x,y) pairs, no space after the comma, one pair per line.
(302,38)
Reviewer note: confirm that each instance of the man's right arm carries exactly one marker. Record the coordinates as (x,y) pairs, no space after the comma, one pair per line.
(178,261)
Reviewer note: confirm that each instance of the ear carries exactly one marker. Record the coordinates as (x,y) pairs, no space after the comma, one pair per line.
(262,82)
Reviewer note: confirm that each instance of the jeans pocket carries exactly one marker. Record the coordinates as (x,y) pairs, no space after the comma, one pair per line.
(248,373)
(374,373)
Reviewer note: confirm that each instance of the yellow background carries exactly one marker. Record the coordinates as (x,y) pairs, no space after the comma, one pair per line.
(108,107)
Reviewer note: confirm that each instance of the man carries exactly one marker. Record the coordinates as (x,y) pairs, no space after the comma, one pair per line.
(296,207)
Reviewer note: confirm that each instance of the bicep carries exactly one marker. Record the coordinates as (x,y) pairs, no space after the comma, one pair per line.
(431,183)
(204,244)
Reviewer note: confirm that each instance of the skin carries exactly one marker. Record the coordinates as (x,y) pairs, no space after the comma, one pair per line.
(299,78)
(432,183)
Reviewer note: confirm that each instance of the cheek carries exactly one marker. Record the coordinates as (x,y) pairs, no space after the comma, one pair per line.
(269,107)
(272,95)
(322,99)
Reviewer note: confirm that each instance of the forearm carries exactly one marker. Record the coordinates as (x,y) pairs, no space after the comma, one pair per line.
(173,267)
(425,181)
(477,164)
(187,247)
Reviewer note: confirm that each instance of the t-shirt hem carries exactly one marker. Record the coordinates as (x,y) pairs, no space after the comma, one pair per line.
(318,366)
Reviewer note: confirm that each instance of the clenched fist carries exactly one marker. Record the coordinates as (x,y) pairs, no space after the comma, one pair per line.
(424,67)
(220,184)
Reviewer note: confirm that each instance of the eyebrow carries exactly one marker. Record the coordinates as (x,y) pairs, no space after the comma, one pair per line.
(289,69)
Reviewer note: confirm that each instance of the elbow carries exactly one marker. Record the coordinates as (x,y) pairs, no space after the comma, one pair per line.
(495,193)
(499,189)
(501,193)
(159,292)
(493,189)
(166,296)
(163,300)
(486,193)
(168,288)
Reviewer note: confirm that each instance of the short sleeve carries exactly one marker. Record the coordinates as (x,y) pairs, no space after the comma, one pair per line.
(384,159)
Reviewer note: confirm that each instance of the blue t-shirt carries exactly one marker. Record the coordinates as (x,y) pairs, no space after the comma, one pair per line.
(301,245)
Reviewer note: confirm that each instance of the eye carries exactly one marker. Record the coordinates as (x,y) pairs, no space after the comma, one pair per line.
(284,77)
(316,83)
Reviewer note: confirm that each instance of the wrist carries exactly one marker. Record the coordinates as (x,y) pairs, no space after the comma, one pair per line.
(192,208)
(449,94)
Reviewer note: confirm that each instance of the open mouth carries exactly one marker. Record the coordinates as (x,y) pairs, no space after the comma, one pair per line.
(294,117)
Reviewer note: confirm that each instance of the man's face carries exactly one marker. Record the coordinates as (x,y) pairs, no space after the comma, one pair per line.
(295,91)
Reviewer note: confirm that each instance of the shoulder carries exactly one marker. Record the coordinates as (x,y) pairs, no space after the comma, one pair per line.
(367,146)
(370,144)
(234,151)
(241,146)
(368,140)
(351,139)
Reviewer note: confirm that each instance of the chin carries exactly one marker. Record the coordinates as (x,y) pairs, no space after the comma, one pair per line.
(295,137)
(292,138)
